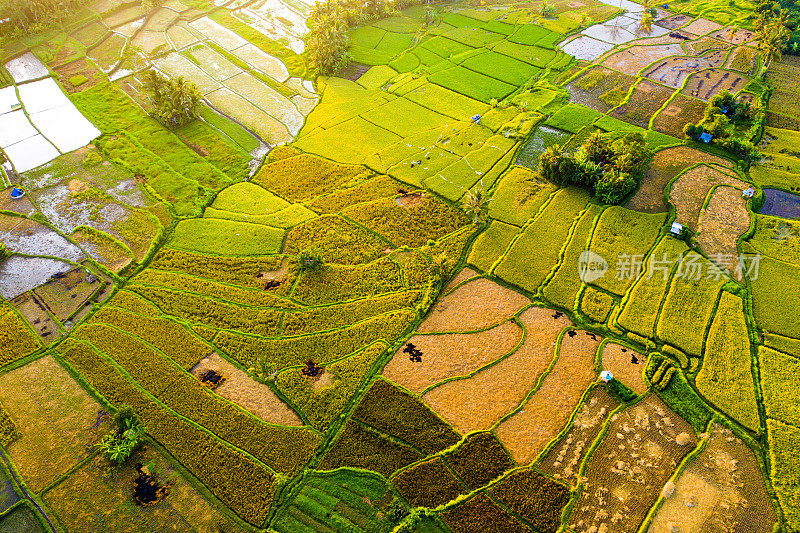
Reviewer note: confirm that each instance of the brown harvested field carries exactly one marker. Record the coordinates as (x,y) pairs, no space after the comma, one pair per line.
(64,296)
(564,460)
(58,421)
(477,403)
(709,82)
(701,26)
(37,316)
(75,68)
(674,21)
(475,305)
(680,111)
(248,393)
(626,365)
(645,101)
(689,191)
(23,205)
(627,471)
(450,355)
(667,164)
(463,275)
(722,221)
(674,70)
(740,36)
(526,433)
(720,490)
(632,60)
(97,497)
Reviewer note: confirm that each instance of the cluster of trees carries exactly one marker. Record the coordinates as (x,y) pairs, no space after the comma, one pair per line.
(330,21)
(175,101)
(123,440)
(611,167)
(772,31)
(26,17)
(724,119)
(3,252)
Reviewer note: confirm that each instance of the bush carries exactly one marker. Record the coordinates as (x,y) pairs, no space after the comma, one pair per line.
(77,80)
(621,391)
(118,445)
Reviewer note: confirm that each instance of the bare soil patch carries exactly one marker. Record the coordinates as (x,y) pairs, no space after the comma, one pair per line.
(81,67)
(563,461)
(740,36)
(667,164)
(626,365)
(702,26)
(630,61)
(446,356)
(477,403)
(689,191)
(674,70)
(709,82)
(20,205)
(674,21)
(248,393)
(626,473)
(721,490)
(722,221)
(56,418)
(475,305)
(544,414)
(64,295)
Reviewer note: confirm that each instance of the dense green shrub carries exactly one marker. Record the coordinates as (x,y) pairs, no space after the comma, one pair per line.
(677,393)
(610,166)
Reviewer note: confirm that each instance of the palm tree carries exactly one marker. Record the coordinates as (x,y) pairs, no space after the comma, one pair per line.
(476,204)
(646,24)
(772,38)
(731,33)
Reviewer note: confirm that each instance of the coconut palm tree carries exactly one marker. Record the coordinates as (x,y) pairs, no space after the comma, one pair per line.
(772,39)
(476,204)
(646,24)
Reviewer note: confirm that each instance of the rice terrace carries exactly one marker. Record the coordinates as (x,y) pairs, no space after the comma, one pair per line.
(400,266)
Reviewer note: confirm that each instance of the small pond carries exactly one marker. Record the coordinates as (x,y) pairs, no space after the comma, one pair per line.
(779,203)
(543,137)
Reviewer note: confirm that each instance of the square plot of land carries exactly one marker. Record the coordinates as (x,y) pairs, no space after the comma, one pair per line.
(56,418)
(177,65)
(269,65)
(8,99)
(233,105)
(269,100)
(219,34)
(65,127)
(707,83)
(31,153)
(26,67)
(675,21)
(586,48)
(15,127)
(215,64)
(635,58)
(702,27)
(42,95)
